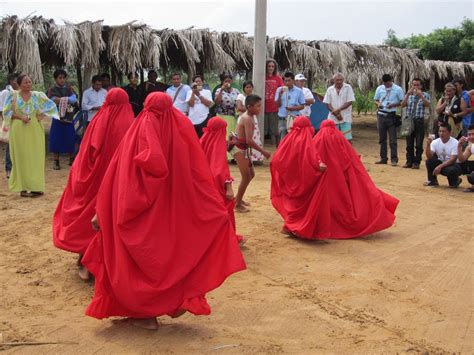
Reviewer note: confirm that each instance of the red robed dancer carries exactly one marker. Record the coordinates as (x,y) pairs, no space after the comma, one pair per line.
(165,236)
(72,230)
(344,202)
(214,144)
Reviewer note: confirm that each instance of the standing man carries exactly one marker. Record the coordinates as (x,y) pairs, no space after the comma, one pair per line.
(388,97)
(441,155)
(416,101)
(12,85)
(339,99)
(93,98)
(290,101)
(464,95)
(135,93)
(178,92)
(199,101)
(152,85)
(308,95)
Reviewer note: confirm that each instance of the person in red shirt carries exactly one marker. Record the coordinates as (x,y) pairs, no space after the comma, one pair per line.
(72,229)
(165,238)
(272,82)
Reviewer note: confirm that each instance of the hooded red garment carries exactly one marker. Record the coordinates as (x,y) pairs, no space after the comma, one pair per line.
(214,144)
(72,229)
(298,190)
(165,237)
(344,202)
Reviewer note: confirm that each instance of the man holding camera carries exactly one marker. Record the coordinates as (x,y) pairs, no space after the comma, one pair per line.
(388,97)
(199,101)
(416,102)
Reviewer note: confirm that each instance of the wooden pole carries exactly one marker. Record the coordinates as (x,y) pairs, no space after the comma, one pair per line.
(432,101)
(79,83)
(259,55)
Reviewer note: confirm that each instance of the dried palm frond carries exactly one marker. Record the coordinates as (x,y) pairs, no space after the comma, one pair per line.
(67,41)
(124,47)
(20,44)
(178,51)
(237,46)
(92,43)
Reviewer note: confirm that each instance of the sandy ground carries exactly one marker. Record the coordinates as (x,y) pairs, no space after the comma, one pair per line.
(406,289)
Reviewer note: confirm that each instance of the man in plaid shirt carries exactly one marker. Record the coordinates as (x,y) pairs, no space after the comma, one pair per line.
(416,102)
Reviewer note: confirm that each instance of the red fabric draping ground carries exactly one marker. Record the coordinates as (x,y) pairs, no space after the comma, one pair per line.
(165,238)
(342,202)
(72,229)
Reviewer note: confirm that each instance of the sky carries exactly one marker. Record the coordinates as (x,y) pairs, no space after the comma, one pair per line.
(355,21)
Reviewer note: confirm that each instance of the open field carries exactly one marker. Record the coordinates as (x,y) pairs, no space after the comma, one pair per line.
(406,289)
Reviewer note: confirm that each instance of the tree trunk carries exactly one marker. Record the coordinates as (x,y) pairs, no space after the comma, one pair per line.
(432,101)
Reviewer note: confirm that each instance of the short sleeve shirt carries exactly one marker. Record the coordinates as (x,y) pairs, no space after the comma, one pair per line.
(391,95)
(199,112)
(307,108)
(295,97)
(227,105)
(180,101)
(444,151)
(336,100)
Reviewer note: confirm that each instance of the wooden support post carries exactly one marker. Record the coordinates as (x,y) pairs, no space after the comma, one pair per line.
(432,101)
(79,82)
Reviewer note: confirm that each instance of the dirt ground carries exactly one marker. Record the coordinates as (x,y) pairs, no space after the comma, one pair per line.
(406,289)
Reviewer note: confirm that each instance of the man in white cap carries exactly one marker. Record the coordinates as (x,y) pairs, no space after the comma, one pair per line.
(339,98)
(308,95)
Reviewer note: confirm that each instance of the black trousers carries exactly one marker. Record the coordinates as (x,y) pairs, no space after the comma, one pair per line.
(415,142)
(199,127)
(467,168)
(386,126)
(452,172)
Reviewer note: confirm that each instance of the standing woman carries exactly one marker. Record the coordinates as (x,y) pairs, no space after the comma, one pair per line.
(451,108)
(247,89)
(62,137)
(23,112)
(225,99)
(272,82)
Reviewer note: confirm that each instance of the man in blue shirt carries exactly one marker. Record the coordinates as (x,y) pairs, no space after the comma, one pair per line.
(178,92)
(388,97)
(290,100)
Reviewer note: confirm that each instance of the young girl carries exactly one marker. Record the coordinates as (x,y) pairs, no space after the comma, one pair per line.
(247,88)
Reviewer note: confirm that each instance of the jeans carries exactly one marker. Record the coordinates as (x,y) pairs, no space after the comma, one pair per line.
(415,142)
(8,161)
(386,123)
(467,168)
(452,172)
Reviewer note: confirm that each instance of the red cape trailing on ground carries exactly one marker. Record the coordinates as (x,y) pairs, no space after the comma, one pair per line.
(214,144)
(165,236)
(342,202)
(72,229)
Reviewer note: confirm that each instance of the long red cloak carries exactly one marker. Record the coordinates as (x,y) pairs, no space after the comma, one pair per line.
(344,201)
(214,145)
(165,237)
(72,229)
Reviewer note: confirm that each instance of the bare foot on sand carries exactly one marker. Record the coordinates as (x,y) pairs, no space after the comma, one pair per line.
(178,313)
(84,273)
(245,203)
(242,241)
(241,209)
(145,323)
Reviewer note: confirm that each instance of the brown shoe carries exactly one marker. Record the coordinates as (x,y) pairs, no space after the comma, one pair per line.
(407,166)
(415,166)
(381,162)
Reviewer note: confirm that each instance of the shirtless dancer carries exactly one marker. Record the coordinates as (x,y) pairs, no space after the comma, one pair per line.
(242,145)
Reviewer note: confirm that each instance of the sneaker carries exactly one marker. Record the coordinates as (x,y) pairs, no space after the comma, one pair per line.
(381,162)
(415,166)
(457,185)
(430,183)
(394,163)
(407,166)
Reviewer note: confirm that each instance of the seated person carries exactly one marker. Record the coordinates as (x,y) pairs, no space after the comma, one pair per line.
(466,157)
(441,155)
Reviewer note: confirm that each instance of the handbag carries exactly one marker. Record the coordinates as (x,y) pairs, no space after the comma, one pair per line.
(408,123)
(5,130)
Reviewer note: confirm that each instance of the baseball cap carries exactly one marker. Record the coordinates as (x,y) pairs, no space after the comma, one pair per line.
(299,77)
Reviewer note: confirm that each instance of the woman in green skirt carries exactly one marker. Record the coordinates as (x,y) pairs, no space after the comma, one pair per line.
(23,112)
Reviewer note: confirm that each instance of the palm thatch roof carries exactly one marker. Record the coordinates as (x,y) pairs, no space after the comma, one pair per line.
(28,44)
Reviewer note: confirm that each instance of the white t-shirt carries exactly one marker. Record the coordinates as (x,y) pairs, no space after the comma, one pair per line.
(199,112)
(336,100)
(445,151)
(307,108)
